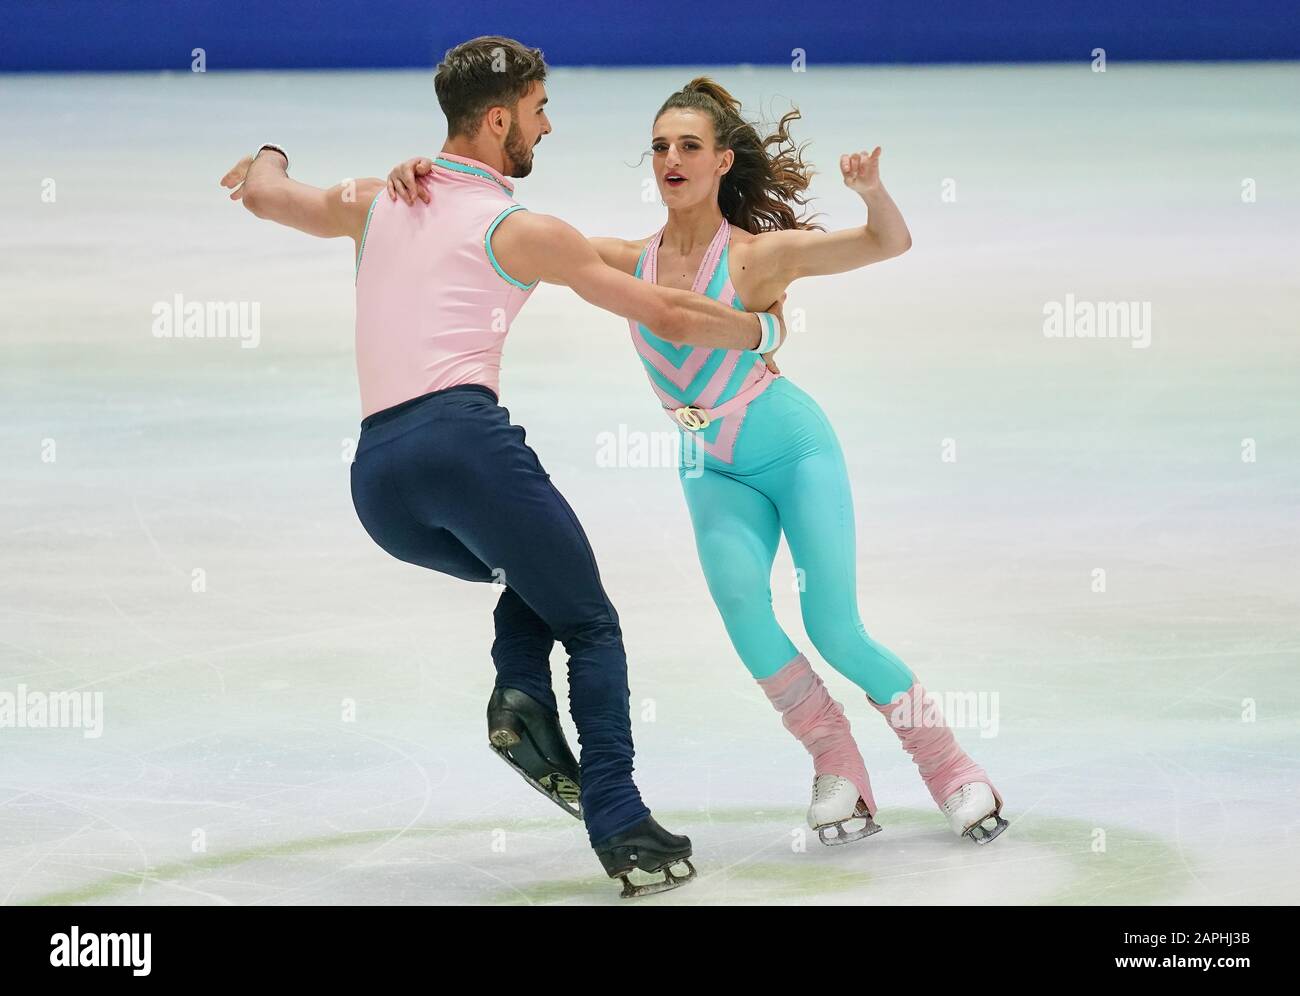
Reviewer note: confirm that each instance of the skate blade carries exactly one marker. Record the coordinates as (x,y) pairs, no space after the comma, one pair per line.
(843,834)
(671,880)
(559,789)
(982,834)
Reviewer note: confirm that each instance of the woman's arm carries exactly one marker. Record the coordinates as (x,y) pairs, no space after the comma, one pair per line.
(781,257)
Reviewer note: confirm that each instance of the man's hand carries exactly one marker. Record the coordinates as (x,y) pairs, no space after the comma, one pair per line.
(776,308)
(239,172)
(235,177)
(403,180)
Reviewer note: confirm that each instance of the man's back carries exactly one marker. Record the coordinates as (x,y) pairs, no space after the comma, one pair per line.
(433,307)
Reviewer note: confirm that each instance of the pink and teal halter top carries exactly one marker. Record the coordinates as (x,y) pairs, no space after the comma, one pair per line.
(697,375)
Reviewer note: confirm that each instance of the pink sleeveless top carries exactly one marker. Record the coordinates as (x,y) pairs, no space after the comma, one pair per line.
(433,304)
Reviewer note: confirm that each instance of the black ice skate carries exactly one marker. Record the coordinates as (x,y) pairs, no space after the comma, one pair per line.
(530,739)
(650,848)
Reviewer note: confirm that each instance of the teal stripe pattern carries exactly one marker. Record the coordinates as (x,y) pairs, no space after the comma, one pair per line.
(487,243)
(364,232)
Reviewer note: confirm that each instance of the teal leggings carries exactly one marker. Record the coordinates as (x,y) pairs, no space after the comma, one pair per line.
(788,475)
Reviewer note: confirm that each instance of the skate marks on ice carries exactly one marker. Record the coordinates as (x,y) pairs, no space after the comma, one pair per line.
(743,856)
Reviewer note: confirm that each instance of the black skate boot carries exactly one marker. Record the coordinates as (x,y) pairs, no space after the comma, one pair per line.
(651,848)
(530,739)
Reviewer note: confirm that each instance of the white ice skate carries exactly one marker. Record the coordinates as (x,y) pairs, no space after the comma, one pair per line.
(973,812)
(836,811)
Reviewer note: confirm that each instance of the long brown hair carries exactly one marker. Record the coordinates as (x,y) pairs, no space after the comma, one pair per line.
(768,178)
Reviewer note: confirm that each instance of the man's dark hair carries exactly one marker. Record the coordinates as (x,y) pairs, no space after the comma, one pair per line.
(490,71)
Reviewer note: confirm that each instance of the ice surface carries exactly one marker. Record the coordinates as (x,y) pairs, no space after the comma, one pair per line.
(1146,739)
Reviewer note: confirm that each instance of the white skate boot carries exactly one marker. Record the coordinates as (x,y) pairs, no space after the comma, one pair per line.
(973,812)
(836,804)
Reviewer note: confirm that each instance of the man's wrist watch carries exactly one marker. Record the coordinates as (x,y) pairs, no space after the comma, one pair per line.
(273,148)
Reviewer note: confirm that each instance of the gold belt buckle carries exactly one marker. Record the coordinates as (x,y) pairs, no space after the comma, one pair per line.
(691,417)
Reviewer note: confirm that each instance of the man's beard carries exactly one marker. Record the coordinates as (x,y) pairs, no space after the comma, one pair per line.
(519,157)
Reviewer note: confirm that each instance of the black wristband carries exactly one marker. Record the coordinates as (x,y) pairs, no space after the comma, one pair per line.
(273,148)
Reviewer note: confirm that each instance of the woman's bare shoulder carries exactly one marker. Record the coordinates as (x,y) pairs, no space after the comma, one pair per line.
(742,246)
(751,265)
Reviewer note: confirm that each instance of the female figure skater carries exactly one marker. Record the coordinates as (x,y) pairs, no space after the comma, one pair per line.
(770,459)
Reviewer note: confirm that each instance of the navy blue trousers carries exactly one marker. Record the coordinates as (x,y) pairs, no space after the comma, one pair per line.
(446,482)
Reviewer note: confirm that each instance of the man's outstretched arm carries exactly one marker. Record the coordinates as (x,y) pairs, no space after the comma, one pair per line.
(265,187)
(539,247)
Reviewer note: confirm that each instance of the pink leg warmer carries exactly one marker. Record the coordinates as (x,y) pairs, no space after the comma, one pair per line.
(818,722)
(921,728)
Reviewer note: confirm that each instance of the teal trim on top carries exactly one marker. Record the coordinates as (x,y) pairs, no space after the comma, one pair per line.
(472,170)
(487,243)
(364,232)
